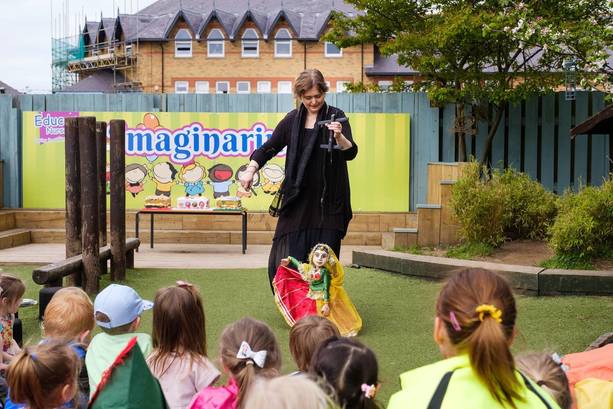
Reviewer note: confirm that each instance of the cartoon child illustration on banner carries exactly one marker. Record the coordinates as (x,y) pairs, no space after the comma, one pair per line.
(192,176)
(272,176)
(240,191)
(135,177)
(221,179)
(163,175)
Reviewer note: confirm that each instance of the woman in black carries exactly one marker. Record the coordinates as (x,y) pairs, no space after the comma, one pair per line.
(315,205)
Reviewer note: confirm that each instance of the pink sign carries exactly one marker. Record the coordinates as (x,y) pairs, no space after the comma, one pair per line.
(51,125)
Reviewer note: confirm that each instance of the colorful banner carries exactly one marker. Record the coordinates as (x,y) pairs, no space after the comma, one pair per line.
(180,154)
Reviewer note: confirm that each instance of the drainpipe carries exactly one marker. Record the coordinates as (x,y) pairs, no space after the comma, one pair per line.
(305,53)
(162,48)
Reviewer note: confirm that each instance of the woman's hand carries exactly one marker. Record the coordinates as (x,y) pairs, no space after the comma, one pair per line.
(337,128)
(246,178)
(285,262)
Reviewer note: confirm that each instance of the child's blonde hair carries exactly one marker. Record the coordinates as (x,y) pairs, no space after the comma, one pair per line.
(287,392)
(306,335)
(11,288)
(37,376)
(548,374)
(260,337)
(178,325)
(69,314)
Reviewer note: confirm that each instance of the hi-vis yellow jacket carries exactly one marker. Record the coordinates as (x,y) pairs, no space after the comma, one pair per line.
(452,384)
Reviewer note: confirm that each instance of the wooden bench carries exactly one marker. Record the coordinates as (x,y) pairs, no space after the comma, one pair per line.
(51,275)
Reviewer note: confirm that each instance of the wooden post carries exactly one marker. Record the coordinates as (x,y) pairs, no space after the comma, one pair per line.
(101,160)
(89,203)
(118,200)
(73,197)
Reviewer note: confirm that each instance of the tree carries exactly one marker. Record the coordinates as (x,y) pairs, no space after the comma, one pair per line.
(489,52)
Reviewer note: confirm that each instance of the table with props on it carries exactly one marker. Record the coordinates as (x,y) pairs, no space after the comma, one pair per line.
(193,210)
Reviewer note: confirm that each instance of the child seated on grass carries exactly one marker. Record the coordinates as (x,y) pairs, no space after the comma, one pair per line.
(44,376)
(306,335)
(117,311)
(287,392)
(11,293)
(546,370)
(69,318)
(350,369)
(248,349)
(474,327)
(179,360)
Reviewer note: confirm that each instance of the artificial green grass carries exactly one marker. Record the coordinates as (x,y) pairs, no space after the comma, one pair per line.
(397,312)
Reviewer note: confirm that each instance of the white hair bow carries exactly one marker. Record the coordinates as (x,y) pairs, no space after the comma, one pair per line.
(245,352)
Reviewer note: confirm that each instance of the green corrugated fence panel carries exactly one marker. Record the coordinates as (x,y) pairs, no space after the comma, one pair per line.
(564,144)
(448,138)
(548,131)
(498,141)
(514,137)
(424,147)
(361,102)
(531,137)
(581,142)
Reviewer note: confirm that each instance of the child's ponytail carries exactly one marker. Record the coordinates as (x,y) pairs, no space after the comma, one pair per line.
(491,359)
(248,348)
(478,310)
(38,373)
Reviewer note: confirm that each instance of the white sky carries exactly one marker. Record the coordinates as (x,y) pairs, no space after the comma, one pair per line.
(26,30)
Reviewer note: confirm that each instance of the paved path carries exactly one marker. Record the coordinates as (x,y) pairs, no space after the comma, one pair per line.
(166,255)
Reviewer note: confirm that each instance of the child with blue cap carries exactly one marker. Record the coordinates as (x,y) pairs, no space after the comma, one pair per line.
(117,311)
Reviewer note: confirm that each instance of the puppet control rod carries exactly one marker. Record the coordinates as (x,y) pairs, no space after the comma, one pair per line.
(329,146)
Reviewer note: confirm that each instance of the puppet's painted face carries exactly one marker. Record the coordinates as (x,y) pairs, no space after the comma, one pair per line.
(320,257)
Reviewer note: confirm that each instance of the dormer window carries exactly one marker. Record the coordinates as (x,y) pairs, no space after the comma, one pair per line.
(183,44)
(250,43)
(215,43)
(283,43)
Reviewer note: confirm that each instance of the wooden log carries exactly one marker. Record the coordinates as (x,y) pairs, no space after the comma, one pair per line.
(118,200)
(55,271)
(89,203)
(73,197)
(101,161)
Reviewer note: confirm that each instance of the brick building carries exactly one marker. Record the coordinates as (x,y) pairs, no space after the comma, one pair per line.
(227,46)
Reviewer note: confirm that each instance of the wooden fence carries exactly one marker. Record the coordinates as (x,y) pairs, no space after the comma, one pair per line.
(533,136)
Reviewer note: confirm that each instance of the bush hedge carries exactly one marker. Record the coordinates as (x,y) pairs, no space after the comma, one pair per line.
(584,226)
(504,205)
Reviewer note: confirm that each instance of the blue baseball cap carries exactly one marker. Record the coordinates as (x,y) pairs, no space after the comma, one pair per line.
(121,304)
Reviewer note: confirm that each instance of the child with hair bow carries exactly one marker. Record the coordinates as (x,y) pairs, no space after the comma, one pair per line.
(248,349)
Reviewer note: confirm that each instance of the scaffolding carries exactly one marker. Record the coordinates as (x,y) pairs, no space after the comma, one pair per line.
(63,52)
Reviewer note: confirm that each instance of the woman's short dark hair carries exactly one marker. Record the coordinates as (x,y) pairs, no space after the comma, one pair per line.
(308,79)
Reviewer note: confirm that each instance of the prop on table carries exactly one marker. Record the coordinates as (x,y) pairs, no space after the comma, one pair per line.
(316,288)
(228,203)
(193,203)
(157,202)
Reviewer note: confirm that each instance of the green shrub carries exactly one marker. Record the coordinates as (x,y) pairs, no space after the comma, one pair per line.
(584,226)
(529,209)
(478,207)
(506,205)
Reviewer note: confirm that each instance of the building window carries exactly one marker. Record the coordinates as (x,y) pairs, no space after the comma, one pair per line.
(384,85)
(183,44)
(331,50)
(222,87)
(264,87)
(250,44)
(215,43)
(181,87)
(243,87)
(341,86)
(202,87)
(284,87)
(129,50)
(283,43)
